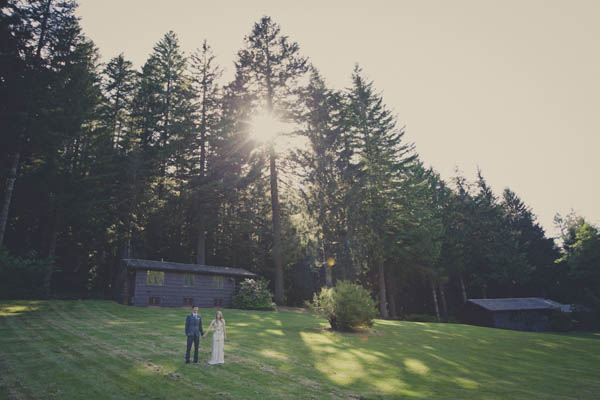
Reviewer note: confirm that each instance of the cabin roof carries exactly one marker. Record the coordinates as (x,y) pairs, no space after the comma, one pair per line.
(178,267)
(517,304)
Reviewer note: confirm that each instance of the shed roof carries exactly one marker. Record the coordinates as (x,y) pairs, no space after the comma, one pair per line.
(516,304)
(172,266)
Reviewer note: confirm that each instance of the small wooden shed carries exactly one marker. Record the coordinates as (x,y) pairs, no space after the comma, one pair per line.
(523,314)
(168,284)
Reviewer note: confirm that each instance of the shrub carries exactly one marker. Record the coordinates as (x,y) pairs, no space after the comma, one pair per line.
(559,321)
(253,295)
(22,277)
(586,319)
(346,306)
(421,318)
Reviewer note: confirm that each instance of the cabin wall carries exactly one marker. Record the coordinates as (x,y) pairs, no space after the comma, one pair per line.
(203,293)
(475,315)
(123,284)
(525,320)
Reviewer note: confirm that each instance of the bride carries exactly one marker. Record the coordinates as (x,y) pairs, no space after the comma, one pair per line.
(219,336)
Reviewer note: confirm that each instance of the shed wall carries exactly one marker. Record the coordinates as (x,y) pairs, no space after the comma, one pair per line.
(173,292)
(525,320)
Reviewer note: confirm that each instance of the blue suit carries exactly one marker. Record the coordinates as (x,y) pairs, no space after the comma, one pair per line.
(193,330)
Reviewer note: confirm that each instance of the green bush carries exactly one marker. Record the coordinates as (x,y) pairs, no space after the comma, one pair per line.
(253,295)
(559,321)
(585,319)
(421,318)
(22,277)
(347,306)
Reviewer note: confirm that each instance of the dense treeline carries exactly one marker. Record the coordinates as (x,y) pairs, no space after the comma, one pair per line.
(103,161)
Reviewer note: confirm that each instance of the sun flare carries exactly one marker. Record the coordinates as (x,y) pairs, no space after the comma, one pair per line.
(265,127)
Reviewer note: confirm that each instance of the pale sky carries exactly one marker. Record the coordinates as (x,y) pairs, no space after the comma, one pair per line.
(511,86)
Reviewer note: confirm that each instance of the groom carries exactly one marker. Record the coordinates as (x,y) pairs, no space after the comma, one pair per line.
(193,330)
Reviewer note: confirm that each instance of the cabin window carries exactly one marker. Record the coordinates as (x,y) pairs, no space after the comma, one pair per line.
(154,301)
(155,278)
(218,302)
(218,282)
(188,301)
(189,279)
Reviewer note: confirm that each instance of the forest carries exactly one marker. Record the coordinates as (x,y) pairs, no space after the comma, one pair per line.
(102,161)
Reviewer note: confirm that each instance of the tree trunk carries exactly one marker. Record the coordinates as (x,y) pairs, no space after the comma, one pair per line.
(346,256)
(201,244)
(276,231)
(132,200)
(328,268)
(51,252)
(444,306)
(484,291)
(328,274)
(463,290)
(10,185)
(382,292)
(435,301)
(392,296)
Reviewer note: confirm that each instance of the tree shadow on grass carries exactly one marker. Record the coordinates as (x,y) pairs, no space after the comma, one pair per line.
(446,361)
(271,355)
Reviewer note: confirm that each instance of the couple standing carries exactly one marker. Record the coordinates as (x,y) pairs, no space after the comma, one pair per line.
(193,330)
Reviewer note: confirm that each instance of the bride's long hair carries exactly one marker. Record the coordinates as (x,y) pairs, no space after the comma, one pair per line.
(219,316)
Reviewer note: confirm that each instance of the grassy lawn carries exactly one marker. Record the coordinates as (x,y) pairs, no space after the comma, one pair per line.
(103,350)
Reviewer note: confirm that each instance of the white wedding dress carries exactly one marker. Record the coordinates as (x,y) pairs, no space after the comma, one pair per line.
(217,356)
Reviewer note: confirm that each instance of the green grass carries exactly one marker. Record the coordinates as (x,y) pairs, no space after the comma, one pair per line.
(103,350)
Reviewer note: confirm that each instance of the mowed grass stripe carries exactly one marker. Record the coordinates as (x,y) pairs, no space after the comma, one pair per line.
(129,368)
(84,367)
(157,351)
(127,352)
(41,361)
(14,341)
(88,358)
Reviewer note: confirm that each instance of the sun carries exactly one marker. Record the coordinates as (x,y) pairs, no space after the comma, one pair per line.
(265,127)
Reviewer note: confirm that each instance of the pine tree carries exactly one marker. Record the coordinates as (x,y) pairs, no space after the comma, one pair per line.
(163,117)
(273,65)
(119,85)
(205,74)
(322,179)
(118,88)
(168,65)
(540,252)
(40,27)
(382,159)
(13,83)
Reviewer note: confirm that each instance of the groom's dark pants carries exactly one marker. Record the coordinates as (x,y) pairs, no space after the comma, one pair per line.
(196,340)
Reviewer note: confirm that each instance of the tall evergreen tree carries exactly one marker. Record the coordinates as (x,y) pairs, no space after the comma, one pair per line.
(273,65)
(205,75)
(35,33)
(322,179)
(163,114)
(118,88)
(382,160)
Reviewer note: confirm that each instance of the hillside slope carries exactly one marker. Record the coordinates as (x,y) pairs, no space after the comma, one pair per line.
(103,350)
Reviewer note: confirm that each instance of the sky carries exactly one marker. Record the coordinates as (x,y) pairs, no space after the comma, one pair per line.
(510,87)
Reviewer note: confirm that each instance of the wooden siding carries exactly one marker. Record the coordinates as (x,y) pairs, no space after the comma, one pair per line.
(525,320)
(173,291)
(522,320)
